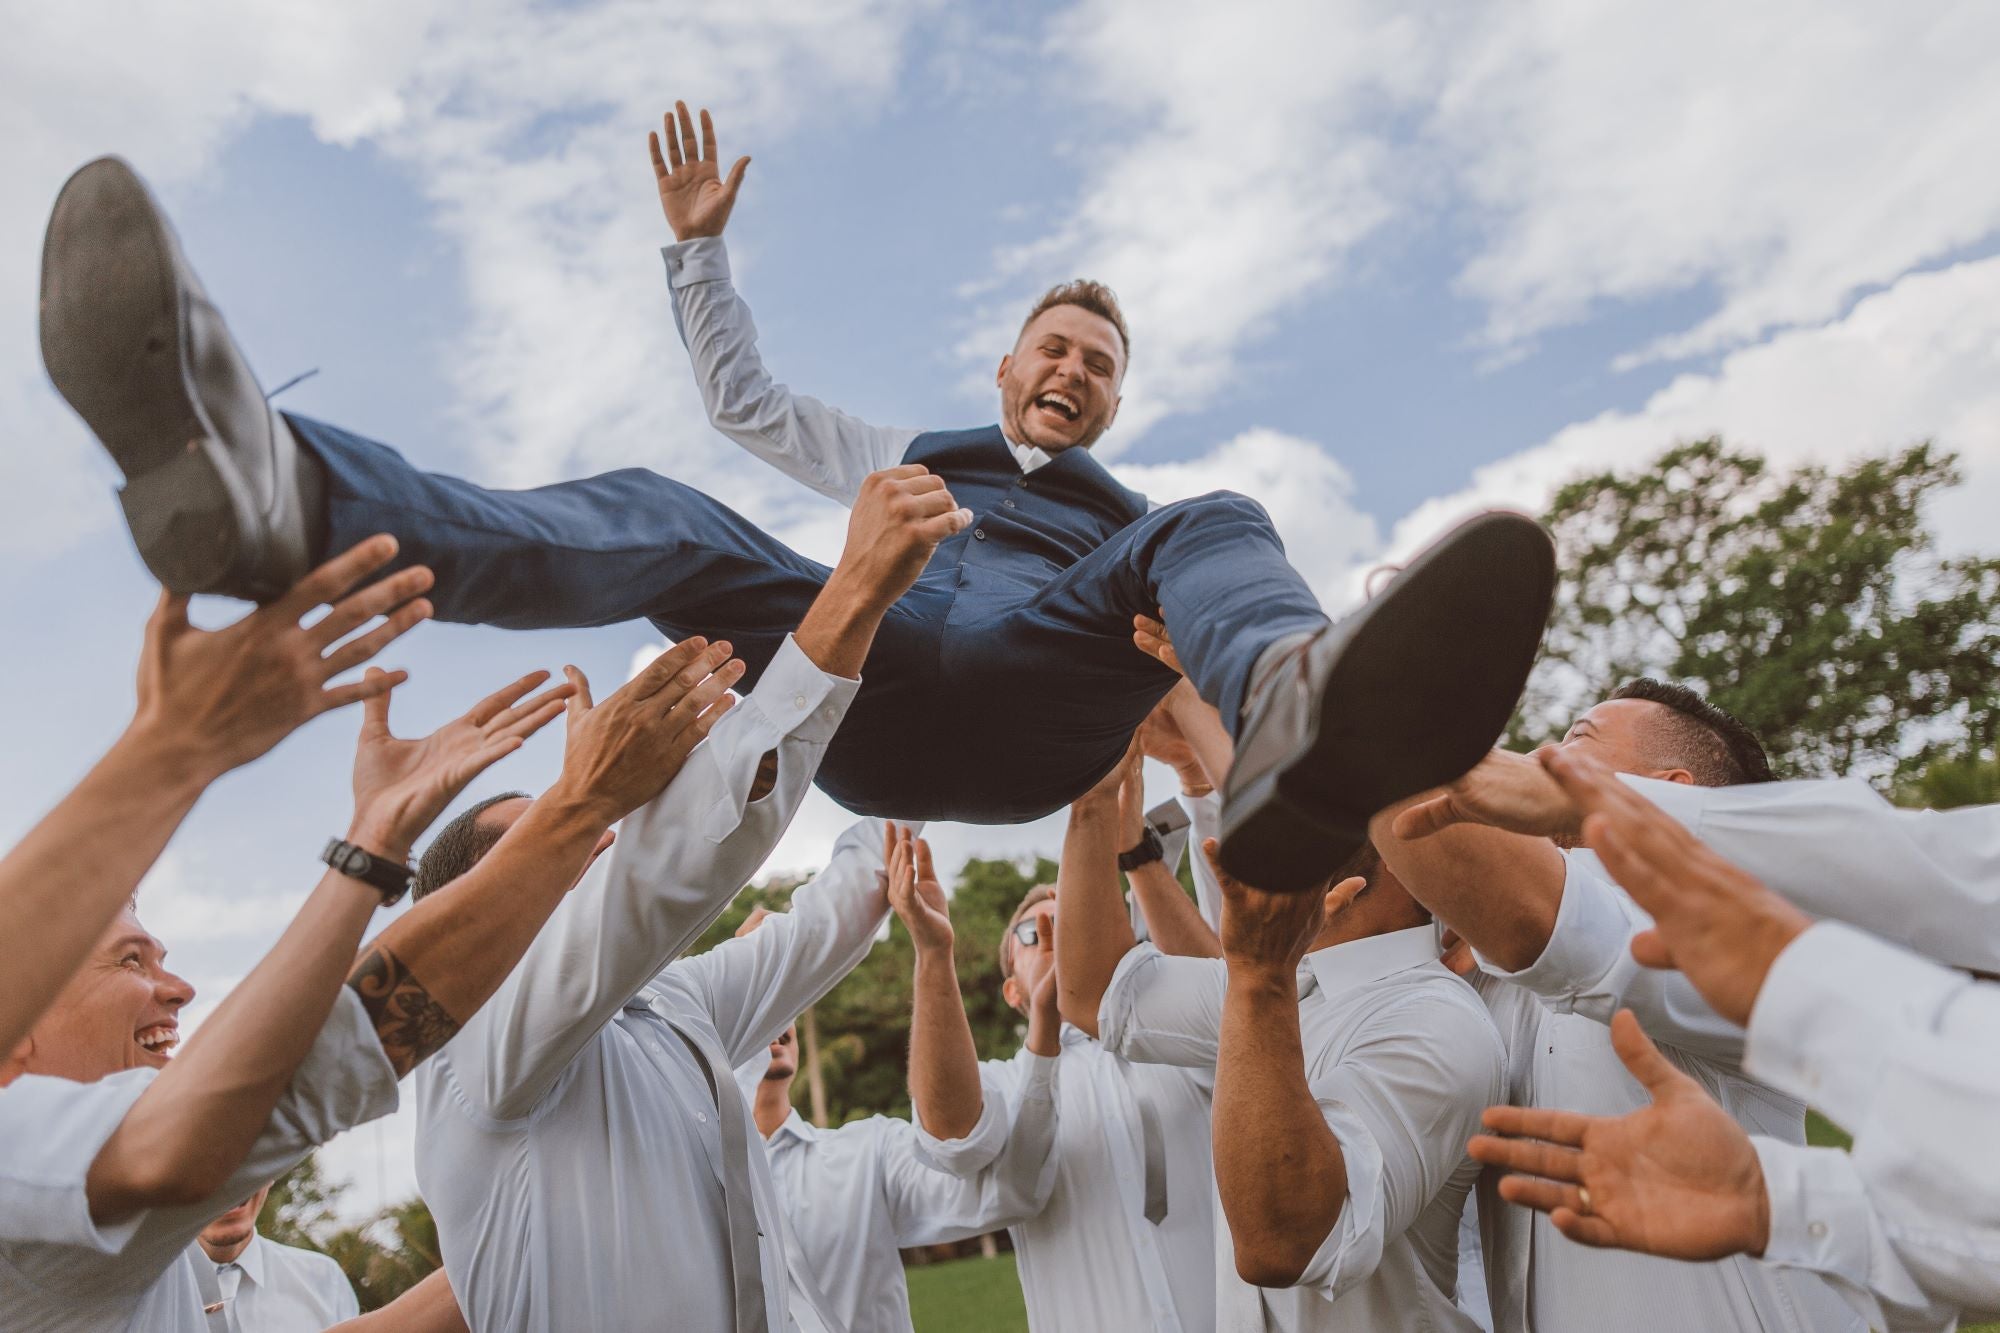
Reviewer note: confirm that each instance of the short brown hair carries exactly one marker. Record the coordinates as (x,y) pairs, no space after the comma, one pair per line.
(1085,294)
(459,846)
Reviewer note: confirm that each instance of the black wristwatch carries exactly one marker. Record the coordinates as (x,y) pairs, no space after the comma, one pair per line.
(386,877)
(1149,850)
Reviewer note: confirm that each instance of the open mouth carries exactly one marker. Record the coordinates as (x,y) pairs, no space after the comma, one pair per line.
(159,1040)
(1059,404)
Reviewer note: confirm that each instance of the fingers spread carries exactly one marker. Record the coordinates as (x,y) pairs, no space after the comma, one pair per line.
(334,577)
(658,673)
(579,699)
(503,698)
(375,712)
(1636,1049)
(356,651)
(735,181)
(342,695)
(673,141)
(688,141)
(359,608)
(659,162)
(707,136)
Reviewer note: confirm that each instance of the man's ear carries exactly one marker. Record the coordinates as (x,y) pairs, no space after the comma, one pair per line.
(1114,411)
(1010,991)
(1680,775)
(1000,375)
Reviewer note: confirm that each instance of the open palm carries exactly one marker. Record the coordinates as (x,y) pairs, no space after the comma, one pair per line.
(914,892)
(693,194)
(1678,1179)
(400,786)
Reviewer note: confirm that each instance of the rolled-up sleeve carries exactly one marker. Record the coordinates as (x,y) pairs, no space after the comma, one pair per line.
(1162,1010)
(1005,1086)
(1587,968)
(999,1174)
(51,1130)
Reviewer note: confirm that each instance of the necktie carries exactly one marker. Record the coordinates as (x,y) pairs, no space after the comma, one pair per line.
(214,1309)
(1154,1142)
(745,1262)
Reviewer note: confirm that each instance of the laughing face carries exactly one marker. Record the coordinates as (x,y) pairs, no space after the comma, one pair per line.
(120,1011)
(1059,386)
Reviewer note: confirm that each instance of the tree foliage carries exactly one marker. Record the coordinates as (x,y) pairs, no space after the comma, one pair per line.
(1810,603)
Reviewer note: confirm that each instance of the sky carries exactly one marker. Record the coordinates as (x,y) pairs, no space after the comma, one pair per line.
(1384,264)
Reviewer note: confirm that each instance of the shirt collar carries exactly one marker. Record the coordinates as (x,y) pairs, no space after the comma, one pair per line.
(798,1127)
(1029,456)
(1349,966)
(251,1261)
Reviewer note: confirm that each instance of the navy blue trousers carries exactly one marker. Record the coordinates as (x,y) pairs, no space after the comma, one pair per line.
(985,699)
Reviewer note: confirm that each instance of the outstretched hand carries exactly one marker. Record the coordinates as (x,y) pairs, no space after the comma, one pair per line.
(217,699)
(914,892)
(400,786)
(1678,1179)
(1504,790)
(1273,931)
(693,194)
(623,752)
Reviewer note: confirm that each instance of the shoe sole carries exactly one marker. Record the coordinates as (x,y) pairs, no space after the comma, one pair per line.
(1424,680)
(115,344)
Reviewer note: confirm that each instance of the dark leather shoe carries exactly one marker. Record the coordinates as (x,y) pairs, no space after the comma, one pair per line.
(1404,695)
(212,490)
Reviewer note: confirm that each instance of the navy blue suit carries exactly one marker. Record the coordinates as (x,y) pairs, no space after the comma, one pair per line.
(1000,687)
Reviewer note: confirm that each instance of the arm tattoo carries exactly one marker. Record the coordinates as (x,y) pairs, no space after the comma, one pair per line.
(411,1025)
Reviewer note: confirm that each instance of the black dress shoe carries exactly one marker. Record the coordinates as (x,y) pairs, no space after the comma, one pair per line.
(212,490)
(1404,695)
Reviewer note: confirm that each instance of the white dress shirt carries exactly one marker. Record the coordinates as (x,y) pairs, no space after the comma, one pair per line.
(858,1194)
(1089,1261)
(1926,878)
(273,1288)
(59,1271)
(568,1132)
(803,438)
(1402,1058)
(1900,1050)
(1554,1017)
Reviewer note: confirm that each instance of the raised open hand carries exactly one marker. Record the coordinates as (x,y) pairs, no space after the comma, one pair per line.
(693,193)
(1678,1179)
(400,786)
(914,892)
(217,699)
(623,752)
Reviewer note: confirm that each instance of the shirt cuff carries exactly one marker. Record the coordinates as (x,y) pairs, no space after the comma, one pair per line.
(1835,1006)
(1352,1249)
(702,259)
(1819,1209)
(1684,802)
(988,1139)
(799,699)
(1591,930)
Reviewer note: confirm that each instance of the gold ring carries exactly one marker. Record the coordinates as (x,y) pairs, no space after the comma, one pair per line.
(1583,1197)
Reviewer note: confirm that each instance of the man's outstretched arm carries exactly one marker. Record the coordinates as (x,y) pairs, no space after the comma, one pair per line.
(1500,891)
(209,701)
(1093,929)
(801,437)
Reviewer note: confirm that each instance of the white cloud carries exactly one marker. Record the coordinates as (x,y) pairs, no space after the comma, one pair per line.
(1919,361)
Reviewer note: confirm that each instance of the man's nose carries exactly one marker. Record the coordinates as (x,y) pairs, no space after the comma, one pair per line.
(174,990)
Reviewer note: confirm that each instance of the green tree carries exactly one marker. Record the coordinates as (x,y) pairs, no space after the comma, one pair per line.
(383,1257)
(1810,603)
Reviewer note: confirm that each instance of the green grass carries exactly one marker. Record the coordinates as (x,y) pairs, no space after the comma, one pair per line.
(967,1296)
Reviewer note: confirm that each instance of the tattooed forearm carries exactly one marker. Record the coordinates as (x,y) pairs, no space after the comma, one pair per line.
(411,1025)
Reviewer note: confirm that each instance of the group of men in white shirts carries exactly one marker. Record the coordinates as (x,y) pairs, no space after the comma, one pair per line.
(1535,1056)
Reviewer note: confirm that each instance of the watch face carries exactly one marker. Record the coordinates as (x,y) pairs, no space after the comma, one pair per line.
(354,862)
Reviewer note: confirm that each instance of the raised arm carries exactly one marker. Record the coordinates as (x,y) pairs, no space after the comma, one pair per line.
(944,1064)
(801,437)
(1500,891)
(1173,921)
(191,1134)
(1093,929)
(209,701)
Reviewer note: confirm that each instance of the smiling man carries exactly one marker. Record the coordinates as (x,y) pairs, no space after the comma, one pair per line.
(1016,642)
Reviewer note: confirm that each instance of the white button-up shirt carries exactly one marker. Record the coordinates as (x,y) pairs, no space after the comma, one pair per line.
(1554,1017)
(1089,1261)
(567,1133)
(1900,1050)
(1403,1059)
(273,1288)
(59,1271)
(859,1193)
(803,438)
(1926,878)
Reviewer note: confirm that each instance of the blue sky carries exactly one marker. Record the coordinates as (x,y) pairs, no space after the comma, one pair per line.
(1384,264)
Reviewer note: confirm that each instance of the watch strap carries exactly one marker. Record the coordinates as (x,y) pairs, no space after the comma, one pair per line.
(391,879)
(1149,850)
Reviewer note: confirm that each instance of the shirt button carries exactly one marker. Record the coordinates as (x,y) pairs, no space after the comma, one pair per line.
(979,533)
(798,701)
(1010,504)
(701,1116)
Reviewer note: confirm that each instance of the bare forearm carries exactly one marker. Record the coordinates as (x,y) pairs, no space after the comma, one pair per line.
(1500,891)
(198,1120)
(1172,918)
(425,975)
(1282,1186)
(840,626)
(428,1307)
(62,883)
(1206,736)
(944,1064)
(1092,929)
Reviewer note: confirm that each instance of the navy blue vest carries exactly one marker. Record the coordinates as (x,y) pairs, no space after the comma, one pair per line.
(1027,526)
